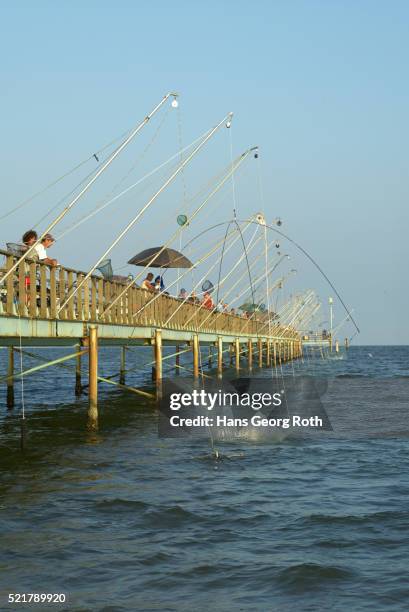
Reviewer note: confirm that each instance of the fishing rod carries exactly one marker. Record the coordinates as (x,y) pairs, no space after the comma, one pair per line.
(235,284)
(238,262)
(104,166)
(239,160)
(102,206)
(300,303)
(202,279)
(276,285)
(225,119)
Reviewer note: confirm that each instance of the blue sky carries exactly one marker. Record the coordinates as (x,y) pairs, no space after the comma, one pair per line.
(321,86)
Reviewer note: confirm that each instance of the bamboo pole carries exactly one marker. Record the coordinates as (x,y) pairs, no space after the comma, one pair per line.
(126,387)
(10,379)
(93,378)
(39,367)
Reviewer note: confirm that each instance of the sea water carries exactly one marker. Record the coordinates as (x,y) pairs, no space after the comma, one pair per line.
(121,519)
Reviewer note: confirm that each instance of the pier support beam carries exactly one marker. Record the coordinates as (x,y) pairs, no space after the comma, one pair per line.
(78,384)
(10,381)
(268,357)
(93,379)
(158,363)
(260,352)
(196,349)
(275,353)
(219,357)
(177,360)
(250,354)
(346,343)
(237,354)
(210,359)
(122,367)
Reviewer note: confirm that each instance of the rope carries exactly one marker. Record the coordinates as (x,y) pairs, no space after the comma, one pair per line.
(63,176)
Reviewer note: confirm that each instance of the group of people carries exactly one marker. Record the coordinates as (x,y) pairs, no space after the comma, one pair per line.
(39,252)
(150,283)
(156,285)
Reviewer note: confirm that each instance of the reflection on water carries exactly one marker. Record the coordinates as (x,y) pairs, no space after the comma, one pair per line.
(119,519)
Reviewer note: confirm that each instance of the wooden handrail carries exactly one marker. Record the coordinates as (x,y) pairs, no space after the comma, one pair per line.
(36,290)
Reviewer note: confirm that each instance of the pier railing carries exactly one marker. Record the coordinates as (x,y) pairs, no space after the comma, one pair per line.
(38,291)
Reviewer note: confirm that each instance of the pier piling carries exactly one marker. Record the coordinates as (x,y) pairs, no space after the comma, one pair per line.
(78,383)
(260,352)
(10,381)
(196,349)
(250,354)
(219,357)
(237,354)
(158,363)
(122,367)
(93,378)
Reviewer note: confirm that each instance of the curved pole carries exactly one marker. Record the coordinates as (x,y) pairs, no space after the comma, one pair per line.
(299,247)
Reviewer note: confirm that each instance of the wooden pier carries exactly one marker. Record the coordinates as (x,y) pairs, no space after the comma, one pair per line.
(46,306)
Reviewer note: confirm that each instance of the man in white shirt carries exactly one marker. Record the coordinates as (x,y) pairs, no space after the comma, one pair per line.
(41,250)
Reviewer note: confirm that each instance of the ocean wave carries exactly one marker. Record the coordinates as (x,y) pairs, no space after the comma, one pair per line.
(306,576)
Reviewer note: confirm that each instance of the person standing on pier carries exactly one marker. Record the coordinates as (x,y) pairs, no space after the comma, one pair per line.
(41,250)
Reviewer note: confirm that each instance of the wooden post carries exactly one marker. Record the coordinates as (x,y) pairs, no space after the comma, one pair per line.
(210,356)
(250,354)
(122,367)
(219,357)
(275,353)
(93,379)
(177,360)
(196,356)
(78,385)
(268,352)
(336,346)
(10,381)
(346,343)
(158,363)
(237,354)
(231,354)
(292,350)
(260,352)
